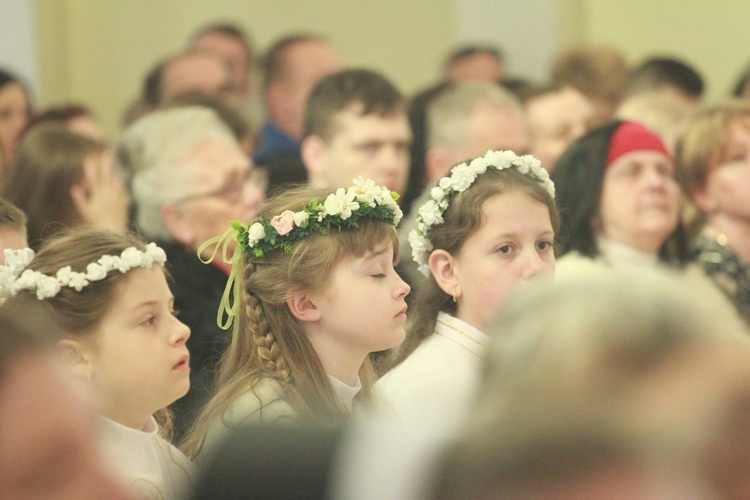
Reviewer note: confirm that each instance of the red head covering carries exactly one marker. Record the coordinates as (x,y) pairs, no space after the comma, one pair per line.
(632,136)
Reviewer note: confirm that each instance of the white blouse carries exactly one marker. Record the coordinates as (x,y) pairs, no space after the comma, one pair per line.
(437,383)
(149,465)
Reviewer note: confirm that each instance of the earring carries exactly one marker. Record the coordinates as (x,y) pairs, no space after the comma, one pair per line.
(454,296)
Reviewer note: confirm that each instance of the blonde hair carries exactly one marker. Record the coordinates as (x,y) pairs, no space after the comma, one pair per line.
(702,145)
(270,343)
(463,218)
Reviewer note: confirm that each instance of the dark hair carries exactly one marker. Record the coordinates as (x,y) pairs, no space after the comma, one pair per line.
(48,162)
(470,50)
(6,77)
(658,71)
(11,216)
(275,67)
(338,91)
(579,178)
(225,28)
(741,86)
(59,115)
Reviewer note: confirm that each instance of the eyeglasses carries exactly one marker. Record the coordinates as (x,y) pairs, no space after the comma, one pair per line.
(231,192)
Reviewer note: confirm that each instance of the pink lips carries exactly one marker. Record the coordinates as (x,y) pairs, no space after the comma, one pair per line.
(182,364)
(401,313)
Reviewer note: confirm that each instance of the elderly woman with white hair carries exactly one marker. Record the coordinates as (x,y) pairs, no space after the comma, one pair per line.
(188,178)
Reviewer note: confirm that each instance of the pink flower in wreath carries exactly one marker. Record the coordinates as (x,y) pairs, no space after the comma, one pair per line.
(283,223)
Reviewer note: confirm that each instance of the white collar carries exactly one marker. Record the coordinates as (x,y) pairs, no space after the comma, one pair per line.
(127,440)
(345,392)
(620,253)
(462,333)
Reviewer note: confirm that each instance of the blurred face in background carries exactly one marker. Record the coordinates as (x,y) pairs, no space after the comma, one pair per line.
(557,119)
(640,201)
(14,116)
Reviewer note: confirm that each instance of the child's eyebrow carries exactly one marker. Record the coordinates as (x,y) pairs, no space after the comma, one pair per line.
(371,254)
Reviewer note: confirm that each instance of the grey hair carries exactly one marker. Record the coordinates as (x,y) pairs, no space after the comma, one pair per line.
(449,113)
(152,156)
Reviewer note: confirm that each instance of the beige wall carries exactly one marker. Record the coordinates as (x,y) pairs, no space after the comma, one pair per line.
(714,36)
(98,51)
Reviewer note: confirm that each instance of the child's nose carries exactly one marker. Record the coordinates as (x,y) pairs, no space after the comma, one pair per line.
(402,289)
(181,332)
(532,265)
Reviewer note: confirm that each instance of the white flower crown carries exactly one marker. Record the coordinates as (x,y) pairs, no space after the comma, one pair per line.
(14,276)
(462,177)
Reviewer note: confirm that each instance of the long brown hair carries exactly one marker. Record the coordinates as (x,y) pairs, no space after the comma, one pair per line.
(270,343)
(463,217)
(48,162)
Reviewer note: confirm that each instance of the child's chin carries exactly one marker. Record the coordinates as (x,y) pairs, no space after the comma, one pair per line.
(395,339)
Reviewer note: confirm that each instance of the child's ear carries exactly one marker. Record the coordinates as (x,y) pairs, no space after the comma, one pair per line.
(302,307)
(443,268)
(77,356)
(313,152)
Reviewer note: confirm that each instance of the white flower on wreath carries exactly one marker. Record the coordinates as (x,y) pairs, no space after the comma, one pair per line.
(437,193)
(420,246)
(255,233)
(95,272)
(388,201)
(431,213)
(341,203)
(479,165)
(301,218)
(462,176)
(129,258)
(108,262)
(77,281)
(367,191)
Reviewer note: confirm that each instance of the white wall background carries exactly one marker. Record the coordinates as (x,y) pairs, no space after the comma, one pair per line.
(18,40)
(526,30)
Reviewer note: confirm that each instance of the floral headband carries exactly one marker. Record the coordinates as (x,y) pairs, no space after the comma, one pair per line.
(462,177)
(14,276)
(341,210)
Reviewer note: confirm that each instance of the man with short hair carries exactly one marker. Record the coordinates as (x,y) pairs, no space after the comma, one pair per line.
(666,75)
(483,63)
(231,43)
(466,120)
(558,115)
(356,124)
(292,67)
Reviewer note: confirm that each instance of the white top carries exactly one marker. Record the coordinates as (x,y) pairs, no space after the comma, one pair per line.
(150,466)
(437,383)
(265,404)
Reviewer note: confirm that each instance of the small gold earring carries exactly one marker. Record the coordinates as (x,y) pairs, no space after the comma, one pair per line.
(454,296)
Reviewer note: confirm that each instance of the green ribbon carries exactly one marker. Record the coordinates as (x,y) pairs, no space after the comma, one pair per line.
(230,299)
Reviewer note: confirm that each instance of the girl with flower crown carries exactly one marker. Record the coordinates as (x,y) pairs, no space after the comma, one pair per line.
(488,226)
(109,294)
(315,292)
